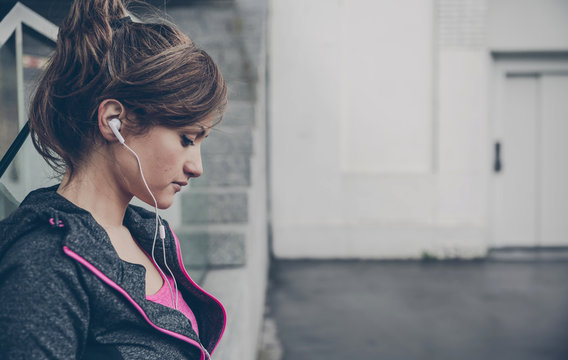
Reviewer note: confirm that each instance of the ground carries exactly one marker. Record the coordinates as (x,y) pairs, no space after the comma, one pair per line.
(417,310)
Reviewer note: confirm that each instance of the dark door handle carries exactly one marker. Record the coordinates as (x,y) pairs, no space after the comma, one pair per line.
(497,166)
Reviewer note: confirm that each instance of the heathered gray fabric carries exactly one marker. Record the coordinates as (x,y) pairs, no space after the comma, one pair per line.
(53,307)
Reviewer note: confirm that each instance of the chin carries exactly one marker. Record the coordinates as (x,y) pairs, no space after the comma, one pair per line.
(164,204)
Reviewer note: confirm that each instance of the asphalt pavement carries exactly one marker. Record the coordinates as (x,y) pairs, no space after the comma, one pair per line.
(401,310)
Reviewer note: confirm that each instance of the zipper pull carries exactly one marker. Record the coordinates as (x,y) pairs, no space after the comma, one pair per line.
(55,222)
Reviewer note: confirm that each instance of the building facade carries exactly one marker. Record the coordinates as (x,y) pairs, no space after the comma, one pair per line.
(402,129)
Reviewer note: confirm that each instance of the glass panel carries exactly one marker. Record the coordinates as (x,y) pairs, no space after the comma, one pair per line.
(8,117)
(8,96)
(28,170)
(36,51)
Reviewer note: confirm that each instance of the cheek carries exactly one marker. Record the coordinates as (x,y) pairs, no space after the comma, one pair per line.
(166,160)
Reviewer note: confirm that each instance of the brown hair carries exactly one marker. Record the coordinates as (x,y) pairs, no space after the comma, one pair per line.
(153,69)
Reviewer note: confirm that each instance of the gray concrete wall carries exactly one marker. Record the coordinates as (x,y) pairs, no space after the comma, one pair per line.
(223,218)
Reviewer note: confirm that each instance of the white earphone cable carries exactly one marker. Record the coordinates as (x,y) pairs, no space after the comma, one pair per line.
(162,234)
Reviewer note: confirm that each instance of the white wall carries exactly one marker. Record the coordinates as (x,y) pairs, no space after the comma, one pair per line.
(380,141)
(528,25)
(351,126)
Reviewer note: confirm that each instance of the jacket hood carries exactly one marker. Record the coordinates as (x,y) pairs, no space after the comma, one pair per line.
(45,208)
(35,211)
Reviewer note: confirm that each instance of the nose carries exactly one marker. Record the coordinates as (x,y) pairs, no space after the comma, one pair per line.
(193,166)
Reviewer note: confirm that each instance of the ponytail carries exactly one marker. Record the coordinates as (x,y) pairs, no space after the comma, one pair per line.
(56,127)
(86,33)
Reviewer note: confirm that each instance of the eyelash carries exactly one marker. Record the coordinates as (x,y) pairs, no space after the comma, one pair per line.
(185,141)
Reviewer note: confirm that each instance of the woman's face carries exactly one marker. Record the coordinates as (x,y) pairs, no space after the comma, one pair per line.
(169,158)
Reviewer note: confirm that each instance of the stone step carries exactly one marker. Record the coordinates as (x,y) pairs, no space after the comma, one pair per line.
(239,113)
(227,139)
(212,248)
(528,253)
(219,32)
(224,170)
(214,208)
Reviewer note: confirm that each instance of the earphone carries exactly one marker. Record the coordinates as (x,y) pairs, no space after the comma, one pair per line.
(115,125)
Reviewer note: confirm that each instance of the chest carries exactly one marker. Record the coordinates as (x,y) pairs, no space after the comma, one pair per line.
(128,250)
(115,324)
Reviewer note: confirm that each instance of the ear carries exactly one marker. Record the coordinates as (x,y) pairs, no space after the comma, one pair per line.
(110,109)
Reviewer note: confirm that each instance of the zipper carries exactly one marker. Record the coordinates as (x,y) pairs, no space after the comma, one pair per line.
(108,281)
(206,352)
(182,267)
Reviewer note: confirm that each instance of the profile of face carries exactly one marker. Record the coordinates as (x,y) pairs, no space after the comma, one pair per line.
(169,159)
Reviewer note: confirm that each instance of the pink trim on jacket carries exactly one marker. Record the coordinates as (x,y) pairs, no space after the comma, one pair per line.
(115,286)
(182,266)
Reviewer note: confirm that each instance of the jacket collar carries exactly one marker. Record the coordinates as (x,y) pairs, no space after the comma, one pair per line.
(84,236)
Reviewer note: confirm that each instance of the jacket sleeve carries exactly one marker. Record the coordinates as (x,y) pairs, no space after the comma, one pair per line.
(44,311)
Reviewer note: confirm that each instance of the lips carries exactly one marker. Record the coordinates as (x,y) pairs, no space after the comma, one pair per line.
(179,184)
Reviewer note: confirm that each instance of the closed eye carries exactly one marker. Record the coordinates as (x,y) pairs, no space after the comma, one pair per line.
(185,141)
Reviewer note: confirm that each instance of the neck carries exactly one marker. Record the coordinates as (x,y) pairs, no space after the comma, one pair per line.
(97,193)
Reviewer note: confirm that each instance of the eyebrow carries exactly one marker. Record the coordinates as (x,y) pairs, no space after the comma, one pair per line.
(193,127)
(199,127)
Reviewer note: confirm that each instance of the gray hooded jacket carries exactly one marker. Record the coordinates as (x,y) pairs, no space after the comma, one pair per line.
(65,293)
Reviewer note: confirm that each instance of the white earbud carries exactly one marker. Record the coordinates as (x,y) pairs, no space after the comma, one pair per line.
(115,127)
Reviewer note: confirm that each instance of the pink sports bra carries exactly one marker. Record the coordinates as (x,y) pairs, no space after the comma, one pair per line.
(163,297)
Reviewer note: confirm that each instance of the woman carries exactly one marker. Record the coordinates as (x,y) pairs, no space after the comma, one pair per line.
(120,112)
